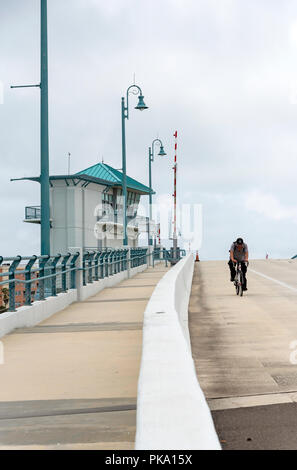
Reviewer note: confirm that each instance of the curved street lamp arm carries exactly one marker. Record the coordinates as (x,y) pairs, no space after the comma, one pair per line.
(153,147)
(138,92)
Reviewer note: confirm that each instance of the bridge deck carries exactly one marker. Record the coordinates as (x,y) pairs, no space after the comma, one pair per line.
(71,382)
(241,348)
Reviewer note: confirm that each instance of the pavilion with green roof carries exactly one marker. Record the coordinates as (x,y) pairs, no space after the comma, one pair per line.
(105,172)
(100,173)
(87,208)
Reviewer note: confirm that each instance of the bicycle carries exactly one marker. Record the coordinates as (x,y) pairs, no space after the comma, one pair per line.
(239,279)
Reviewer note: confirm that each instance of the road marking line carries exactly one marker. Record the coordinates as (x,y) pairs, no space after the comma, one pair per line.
(80,328)
(216,404)
(133,299)
(283,284)
(73,411)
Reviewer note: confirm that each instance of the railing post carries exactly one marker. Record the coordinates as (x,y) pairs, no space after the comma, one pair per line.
(123,260)
(11,277)
(134,258)
(110,263)
(54,274)
(64,274)
(118,257)
(113,261)
(96,261)
(77,274)
(28,278)
(149,259)
(90,269)
(119,260)
(101,261)
(85,258)
(105,265)
(42,262)
(106,257)
(73,272)
(131,256)
(129,261)
(165,255)
(116,261)
(147,256)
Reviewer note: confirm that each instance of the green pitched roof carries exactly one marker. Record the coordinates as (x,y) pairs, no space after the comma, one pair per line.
(107,173)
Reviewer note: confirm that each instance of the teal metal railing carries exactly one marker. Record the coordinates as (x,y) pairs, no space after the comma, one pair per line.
(101,264)
(168,255)
(31,278)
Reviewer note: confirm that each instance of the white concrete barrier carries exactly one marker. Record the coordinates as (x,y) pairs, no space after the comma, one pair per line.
(172,412)
(31,315)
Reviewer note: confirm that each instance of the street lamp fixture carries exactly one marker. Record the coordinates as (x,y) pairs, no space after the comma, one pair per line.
(135,90)
(141,104)
(161,153)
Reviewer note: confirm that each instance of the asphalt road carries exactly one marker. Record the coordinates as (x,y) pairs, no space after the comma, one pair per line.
(243,350)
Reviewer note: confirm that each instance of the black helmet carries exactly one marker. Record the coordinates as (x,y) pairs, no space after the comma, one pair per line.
(239,241)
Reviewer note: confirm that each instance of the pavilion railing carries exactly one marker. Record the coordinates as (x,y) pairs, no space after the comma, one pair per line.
(32,212)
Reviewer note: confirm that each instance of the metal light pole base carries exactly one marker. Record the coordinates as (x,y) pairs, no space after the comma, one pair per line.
(174,255)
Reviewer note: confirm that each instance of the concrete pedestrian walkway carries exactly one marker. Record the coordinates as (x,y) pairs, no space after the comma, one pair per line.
(71,381)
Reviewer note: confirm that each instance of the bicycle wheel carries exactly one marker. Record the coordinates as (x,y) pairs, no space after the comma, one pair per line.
(241,285)
(237,287)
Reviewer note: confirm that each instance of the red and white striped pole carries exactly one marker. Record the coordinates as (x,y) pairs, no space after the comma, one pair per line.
(174,200)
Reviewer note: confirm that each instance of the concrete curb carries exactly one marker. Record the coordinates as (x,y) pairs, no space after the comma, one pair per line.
(172,412)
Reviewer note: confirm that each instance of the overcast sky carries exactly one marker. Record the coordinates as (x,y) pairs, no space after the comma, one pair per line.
(221,72)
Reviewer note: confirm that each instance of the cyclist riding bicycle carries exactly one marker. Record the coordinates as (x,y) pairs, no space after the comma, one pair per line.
(239,254)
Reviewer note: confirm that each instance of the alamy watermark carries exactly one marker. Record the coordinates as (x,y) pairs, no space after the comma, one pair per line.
(189,221)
